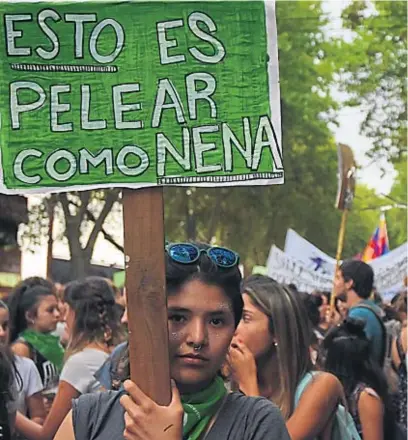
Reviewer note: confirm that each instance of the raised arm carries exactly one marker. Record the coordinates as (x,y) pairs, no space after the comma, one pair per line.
(60,408)
(66,430)
(371,412)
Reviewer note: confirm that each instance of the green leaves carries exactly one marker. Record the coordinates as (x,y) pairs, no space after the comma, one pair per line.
(397,218)
(376,65)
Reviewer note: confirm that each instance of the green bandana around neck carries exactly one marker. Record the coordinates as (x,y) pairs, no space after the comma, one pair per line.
(200,407)
(47,344)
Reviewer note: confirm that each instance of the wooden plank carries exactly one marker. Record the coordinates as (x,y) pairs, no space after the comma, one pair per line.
(145,287)
(340,244)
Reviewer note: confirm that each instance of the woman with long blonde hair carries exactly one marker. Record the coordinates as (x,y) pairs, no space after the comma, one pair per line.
(269,356)
(94,329)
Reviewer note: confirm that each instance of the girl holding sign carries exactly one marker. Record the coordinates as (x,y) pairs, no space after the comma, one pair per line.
(204,309)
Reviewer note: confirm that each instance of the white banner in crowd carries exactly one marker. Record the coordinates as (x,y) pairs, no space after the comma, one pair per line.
(286,269)
(389,270)
(312,257)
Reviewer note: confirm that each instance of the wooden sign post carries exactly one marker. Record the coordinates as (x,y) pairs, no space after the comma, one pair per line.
(344,201)
(145,287)
(340,245)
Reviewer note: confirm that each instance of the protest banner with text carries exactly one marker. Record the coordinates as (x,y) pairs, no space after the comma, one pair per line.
(389,269)
(134,94)
(288,270)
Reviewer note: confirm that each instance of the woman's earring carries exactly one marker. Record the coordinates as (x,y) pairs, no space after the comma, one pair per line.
(275,344)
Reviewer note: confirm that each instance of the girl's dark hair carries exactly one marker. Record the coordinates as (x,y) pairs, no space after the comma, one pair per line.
(348,356)
(321,293)
(7,386)
(206,271)
(400,304)
(177,275)
(96,317)
(26,298)
(339,298)
(312,304)
(362,275)
(390,314)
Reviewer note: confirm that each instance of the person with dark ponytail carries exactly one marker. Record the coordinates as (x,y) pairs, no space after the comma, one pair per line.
(94,329)
(349,357)
(34,314)
(204,309)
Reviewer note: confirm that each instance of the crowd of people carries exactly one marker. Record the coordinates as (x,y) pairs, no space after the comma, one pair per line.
(250,358)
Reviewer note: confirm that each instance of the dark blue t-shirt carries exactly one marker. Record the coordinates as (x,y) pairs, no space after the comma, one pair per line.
(100,416)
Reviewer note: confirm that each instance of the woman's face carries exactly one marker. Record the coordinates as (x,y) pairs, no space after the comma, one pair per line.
(61,309)
(69,319)
(201,326)
(323,308)
(343,308)
(253,329)
(47,316)
(124,319)
(4,326)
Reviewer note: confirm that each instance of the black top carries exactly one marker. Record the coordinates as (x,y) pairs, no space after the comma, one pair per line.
(48,371)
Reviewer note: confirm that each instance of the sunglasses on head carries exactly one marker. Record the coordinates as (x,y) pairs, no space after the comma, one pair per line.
(187,253)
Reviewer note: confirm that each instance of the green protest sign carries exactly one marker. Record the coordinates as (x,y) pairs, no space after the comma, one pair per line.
(132,94)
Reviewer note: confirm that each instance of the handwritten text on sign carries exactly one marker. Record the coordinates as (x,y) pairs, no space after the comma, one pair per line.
(136,94)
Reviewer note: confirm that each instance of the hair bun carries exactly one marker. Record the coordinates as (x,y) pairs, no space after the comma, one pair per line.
(355,326)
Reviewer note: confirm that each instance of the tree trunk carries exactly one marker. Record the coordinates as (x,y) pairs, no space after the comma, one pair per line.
(79,267)
(81,256)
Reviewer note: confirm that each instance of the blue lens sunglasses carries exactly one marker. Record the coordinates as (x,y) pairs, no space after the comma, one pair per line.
(187,253)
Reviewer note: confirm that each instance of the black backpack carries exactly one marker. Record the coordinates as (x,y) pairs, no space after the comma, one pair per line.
(400,431)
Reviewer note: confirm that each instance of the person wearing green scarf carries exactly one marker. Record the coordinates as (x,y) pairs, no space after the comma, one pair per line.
(204,308)
(92,323)
(200,407)
(46,344)
(34,314)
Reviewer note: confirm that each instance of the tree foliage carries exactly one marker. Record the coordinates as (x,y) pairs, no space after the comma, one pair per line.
(362,220)
(397,220)
(250,219)
(374,67)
